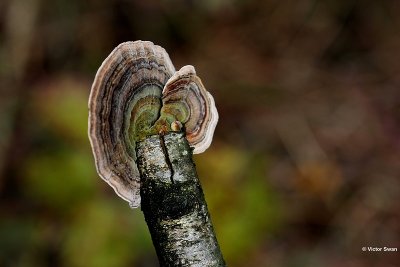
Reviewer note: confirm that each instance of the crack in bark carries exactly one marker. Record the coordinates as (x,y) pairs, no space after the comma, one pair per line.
(165,152)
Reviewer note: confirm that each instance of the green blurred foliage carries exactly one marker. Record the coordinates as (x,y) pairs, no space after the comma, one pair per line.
(59,174)
(244,208)
(51,187)
(114,240)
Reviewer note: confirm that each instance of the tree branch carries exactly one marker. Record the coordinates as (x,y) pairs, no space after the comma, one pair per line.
(173,203)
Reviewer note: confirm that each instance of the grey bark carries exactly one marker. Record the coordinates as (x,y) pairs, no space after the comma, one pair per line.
(173,203)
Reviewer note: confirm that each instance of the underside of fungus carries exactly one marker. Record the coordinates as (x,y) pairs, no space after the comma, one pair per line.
(137,93)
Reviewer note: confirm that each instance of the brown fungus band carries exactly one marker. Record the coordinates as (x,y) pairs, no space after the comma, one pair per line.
(137,93)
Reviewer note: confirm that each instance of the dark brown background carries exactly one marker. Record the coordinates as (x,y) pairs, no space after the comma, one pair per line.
(304,168)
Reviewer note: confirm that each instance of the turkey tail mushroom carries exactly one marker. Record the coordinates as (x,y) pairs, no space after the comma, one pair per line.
(137,93)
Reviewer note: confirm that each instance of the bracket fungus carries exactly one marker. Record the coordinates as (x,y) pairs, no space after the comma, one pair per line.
(137,93)
(186,100)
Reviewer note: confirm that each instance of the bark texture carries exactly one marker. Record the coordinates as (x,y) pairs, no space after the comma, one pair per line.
(173,203)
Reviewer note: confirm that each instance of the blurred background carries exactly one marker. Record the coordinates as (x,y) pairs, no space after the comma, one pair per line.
(304,168)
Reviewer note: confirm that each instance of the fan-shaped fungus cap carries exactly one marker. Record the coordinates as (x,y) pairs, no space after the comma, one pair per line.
(186,100)
(124,102)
